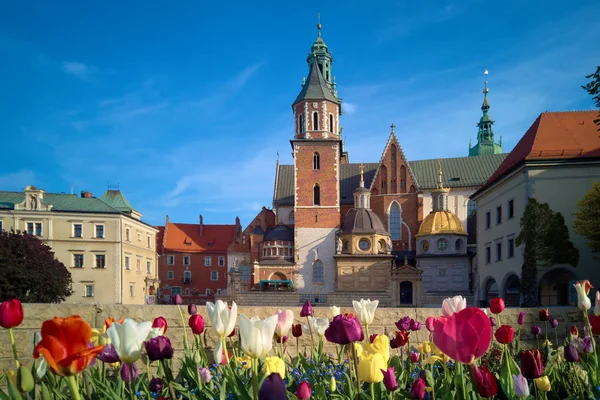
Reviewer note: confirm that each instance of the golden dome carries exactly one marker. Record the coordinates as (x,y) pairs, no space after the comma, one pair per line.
(440,223)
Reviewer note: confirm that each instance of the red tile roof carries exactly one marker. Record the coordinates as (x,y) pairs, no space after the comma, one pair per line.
(186,237)
(554,135)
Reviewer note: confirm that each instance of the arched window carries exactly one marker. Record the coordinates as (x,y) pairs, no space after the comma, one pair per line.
(402,179)
(315,121)
(471,208)
(383,179)
(395,222)
(331,123)
(300,123)
(317,195)
(316,161)
(318,271)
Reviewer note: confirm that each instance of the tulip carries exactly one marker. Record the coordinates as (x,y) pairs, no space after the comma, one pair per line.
(156,385)
(536,330)
(109,354)
(25,381)
(418,389)
(453,305)
(573,331)
(505,334)
(414,356)
(274,365)
(223,320)
(11,314)
(161,324)
(597,303)
(365,310)
(585,344)
(128,372)
(245,362)
(393,343)
(429,323)
(415,326)
(232,334)
(273,388)
(317,324)
(196,322)
(332,385)
(304,391)
(571,354)
(257,335)
(485,380)
(159,348)
(404,323)
(205,375)
(344,329)
(497,305)
(389,379)
(297,330)
(544,314)
(464,336)
(380,345)
(65,345)
(285,320)
(370,367)
(532,365)
(402,338)
(306,309)
(128,338)
(553,323)
(521,386)
(192,310)
(595,323)
(178,300)
(372,337)
(543,383)
(281,340)
(335,310)
(493,321)
(583,301)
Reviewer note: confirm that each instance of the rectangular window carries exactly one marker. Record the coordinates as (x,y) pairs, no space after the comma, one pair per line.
(149,242)
(131,290)
(207,261)
(99,231)
(88,290)
(499,251)
(127,235)
(139,235)
(207,292)
(127,266)
(170,275)
(170,260)
(77,230)
(138,265)
(498,215)
(187,276)
(511,248)
(175,290)
(221,261)
(186,260)
(78,260)
(149,267)
(214,275)
(488,255)
(100,261)
(511,209)
(38,229)
(488,220)
(30,228)
(187,291)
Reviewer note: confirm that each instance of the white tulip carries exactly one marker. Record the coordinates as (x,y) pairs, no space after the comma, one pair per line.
(128,338)
(583,301)
(335,311)
(285,320)
(365,310)
(221,317)
(257,335)
(597,304)
(452,305)
(318,325)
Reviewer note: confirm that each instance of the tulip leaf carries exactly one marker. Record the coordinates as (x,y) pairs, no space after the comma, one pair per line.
(3,396)
(12,390)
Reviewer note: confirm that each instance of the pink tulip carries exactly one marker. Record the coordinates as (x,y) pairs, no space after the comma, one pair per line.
(429,323)
(285,320)
(465,336)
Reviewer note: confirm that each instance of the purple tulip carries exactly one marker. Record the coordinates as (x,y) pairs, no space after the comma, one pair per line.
(192,309)
(178,300)
(553,323)
(281,340)
(493,321)
(372,337)
(571,354)
(205,375)
(156,385)
(393,343)
(429,323)
(344,329)
(109,354)
(306,309)
(404,323)
(389,379)
(585,344)
(159,348)
(418,389)
(536,330)
(129,372)
(415,326)
(273,388)
(521,319)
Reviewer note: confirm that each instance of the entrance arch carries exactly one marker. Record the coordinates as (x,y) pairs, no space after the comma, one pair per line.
(406,293)
(278,276)
(511,291)
(556,287)
(490,290)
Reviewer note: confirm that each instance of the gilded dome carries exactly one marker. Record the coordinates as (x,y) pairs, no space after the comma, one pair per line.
(440,223)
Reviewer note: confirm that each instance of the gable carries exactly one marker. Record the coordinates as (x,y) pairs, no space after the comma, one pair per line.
(387,172)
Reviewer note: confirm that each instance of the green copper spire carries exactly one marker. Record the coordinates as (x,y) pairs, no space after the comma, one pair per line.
(324,58)
(485,135)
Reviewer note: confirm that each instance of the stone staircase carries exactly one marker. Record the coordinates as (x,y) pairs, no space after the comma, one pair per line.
(295,299)
(435,299)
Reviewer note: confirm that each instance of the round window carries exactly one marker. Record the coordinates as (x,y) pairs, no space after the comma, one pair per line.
(425,246)
(364,244)
(458,244)
(442,244)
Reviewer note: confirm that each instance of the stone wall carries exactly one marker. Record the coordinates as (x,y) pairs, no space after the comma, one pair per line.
(35,314)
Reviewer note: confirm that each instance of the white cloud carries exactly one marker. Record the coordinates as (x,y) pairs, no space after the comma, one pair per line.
(348,108)
(78,70)
(17,181)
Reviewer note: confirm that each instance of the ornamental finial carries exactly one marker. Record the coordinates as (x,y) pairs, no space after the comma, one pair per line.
(362,172)
(319,24)
(440,185)
(393,128)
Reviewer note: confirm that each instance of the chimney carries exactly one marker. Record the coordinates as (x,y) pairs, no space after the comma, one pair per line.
(86,195)
(201,226)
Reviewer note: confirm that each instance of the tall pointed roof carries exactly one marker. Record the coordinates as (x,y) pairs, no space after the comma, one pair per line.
(485,135)
(315,87)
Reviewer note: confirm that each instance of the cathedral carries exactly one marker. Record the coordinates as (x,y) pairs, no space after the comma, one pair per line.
(393,229)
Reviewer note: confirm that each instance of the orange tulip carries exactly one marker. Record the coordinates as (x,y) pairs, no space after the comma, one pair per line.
(108,321)
(65,345)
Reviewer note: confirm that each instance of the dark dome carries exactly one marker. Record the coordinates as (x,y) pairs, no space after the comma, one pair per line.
(362,220)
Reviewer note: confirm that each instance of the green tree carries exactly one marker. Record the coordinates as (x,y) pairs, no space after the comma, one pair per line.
(593,88)
(30,272)
(587,219)
(546,242)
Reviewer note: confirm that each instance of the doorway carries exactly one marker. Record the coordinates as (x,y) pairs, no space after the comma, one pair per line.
(406,292)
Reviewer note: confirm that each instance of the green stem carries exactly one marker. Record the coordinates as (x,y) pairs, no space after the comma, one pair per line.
(148,369)
(312,339)
(590,333)
(183,324)
(14,347)
(103,372)
(372,391)
(225,350)
(356,369)
(129,384)
(367,330)
(255,378)
(169,378)
(71,380)
(281,347)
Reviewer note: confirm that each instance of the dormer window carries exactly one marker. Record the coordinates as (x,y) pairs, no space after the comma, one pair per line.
(315,121)
(316,161)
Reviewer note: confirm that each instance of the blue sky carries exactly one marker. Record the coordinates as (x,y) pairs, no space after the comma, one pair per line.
(186,104)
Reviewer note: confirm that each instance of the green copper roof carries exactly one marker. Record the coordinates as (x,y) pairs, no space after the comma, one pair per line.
(60,203)
(117,200)
(315,87)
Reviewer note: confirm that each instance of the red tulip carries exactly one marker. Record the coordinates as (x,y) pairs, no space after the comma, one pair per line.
(532,365)
(574,331)
(505,334)
(417,390)
(497,305)
(464,336)
(544,314)
(196,322)
(372,337)
(402,338)
(11,313)
(595,323)
(161,323)
(485,380)
(304,391)
(297,330)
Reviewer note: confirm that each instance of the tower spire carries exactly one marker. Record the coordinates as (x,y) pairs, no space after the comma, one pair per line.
(319,24)
(362,178)
(485,135)
(440,185)
(485,106)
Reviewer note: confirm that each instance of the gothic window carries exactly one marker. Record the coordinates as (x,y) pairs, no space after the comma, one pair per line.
(316,161)
(317,195)
(318,271)
(383,179)
(331,123)
(300,123)
(395,221)
(315,121)
(393,180)
(403,179)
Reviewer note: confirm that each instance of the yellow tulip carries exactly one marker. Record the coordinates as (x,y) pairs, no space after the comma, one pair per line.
(380,345)
(274,364)
(332,385)
(358,348)
(425,347)
(245,362)
(433,359)
(370,366)
(95,337)
(543,383)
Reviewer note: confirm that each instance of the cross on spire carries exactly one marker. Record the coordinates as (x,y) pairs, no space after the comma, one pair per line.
(362,172)
(393,128)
